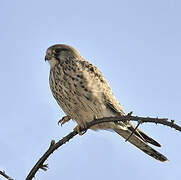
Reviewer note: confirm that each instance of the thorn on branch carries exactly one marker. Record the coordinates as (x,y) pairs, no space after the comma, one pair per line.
(44,167)
(52,143)
(173,122)
(130,113)
(5,175)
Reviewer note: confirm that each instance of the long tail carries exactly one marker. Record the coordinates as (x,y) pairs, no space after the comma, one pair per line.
(140,143)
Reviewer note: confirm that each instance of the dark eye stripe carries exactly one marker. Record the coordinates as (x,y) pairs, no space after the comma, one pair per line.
(59,50)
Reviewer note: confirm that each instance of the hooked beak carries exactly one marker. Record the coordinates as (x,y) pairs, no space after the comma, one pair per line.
(47,57)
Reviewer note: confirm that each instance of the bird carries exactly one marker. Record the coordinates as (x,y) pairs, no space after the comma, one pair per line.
(84,94)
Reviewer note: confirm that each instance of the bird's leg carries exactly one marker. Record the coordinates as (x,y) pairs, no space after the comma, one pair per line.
(77,129)
(64,120)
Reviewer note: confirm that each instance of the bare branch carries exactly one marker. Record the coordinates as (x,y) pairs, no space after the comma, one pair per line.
(5,175)
(129,117)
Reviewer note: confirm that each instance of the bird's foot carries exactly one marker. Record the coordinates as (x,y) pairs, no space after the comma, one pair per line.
(78,129)
(64,120)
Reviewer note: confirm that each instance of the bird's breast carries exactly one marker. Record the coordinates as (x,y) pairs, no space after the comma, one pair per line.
(78,94)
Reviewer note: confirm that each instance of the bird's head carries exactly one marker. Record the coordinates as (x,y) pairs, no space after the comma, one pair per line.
(59,53)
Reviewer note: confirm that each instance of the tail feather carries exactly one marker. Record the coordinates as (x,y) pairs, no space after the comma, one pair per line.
(142,145)
(143,136)
(149,139)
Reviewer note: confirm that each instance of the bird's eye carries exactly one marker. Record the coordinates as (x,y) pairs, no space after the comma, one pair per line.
(56,51)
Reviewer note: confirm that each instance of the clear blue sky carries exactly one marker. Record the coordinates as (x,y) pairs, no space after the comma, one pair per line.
(136,44)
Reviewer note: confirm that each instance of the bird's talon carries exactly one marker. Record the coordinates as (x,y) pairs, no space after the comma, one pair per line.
(77,129)
(64,120)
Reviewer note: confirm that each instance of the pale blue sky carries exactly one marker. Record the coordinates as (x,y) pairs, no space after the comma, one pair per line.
(136,44)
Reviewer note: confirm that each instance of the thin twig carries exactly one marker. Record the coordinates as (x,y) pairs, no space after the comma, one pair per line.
(5,175)
(54,146)
(139,122)
(50,150)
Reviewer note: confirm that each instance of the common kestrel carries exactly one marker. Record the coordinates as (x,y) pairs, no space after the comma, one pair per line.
(83,93)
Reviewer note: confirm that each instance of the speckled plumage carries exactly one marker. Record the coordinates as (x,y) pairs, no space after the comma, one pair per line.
(84,94)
